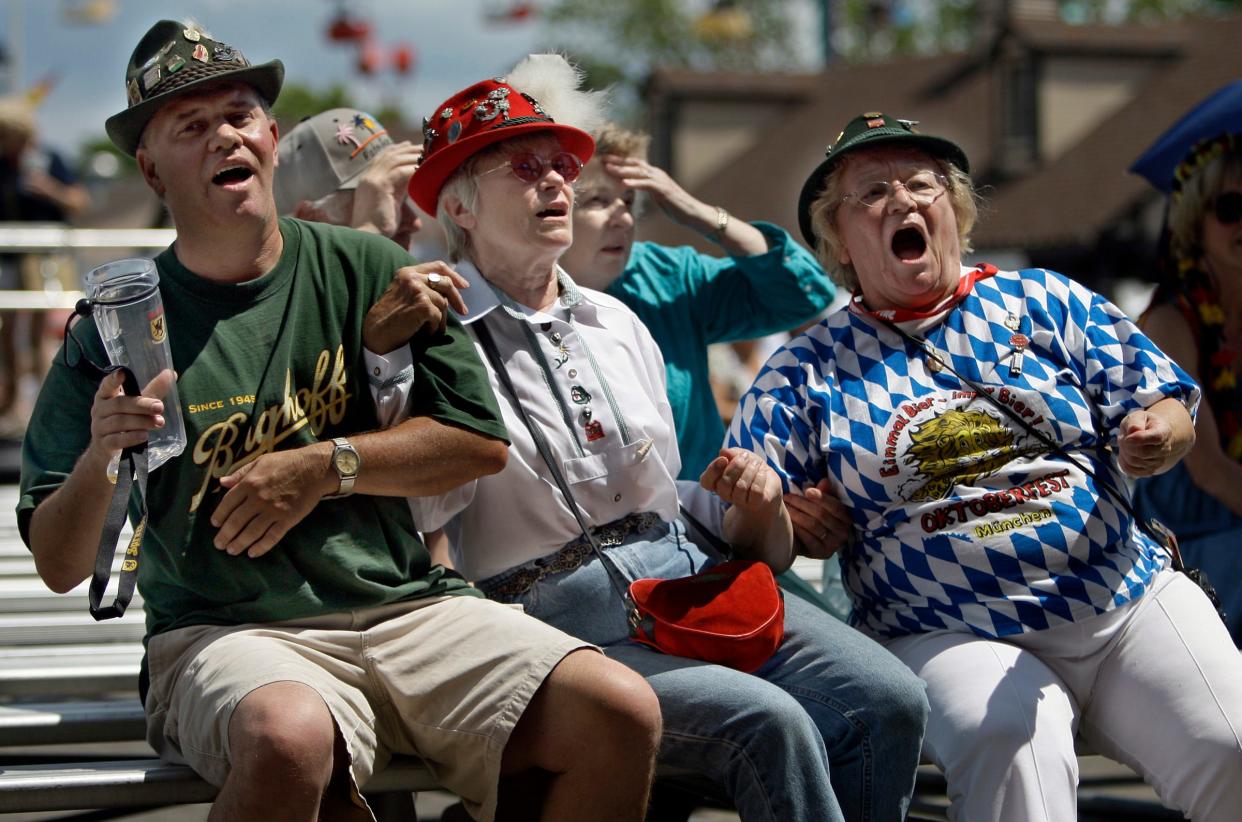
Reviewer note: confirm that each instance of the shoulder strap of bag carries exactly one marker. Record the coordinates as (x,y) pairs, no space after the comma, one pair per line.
(1156,530)
(131,479)
(717,544)
(541,443)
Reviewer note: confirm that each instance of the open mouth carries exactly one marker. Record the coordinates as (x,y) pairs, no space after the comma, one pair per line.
(908,244)
(232,176)
(554,211)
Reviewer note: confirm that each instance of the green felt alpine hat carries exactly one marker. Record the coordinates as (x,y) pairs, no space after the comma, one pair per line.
(865,131)
(173,58)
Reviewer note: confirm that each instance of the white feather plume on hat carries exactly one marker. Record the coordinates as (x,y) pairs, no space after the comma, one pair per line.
(554,83)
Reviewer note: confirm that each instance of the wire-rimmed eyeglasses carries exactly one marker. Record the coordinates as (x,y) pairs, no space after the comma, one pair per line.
(529,167)
(922,186)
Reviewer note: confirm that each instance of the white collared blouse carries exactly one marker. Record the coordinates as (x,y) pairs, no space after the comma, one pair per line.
(589,373)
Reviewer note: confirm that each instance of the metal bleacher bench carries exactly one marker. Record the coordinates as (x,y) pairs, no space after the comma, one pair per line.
(135,783)
(124,782)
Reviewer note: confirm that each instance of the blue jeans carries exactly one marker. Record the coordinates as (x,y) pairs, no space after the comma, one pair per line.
(829,728)
(1208,534)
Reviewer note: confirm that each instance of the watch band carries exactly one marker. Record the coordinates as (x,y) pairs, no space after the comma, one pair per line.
(347,478)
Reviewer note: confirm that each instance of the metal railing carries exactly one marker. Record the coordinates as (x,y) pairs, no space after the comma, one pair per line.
(22,238)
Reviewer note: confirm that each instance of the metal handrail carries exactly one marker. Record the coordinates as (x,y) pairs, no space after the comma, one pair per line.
(21,238)
(46,300)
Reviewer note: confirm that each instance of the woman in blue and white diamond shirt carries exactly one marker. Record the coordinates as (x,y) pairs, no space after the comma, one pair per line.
(997,566)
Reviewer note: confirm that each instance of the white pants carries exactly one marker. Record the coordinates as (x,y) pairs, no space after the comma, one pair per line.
(1155,684)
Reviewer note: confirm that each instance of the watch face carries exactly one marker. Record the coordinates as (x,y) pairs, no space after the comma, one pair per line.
(346,462)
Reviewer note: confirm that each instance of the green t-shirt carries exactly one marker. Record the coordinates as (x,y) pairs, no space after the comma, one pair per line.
(270,364)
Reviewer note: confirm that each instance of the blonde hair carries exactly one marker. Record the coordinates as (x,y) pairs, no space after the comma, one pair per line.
(823,211)
(613,139)
(1189,209)
(17,125)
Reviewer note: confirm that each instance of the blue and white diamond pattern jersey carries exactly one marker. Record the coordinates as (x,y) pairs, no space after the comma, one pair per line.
(964,522)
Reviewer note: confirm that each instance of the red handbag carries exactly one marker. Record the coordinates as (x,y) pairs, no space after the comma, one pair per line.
(731,614)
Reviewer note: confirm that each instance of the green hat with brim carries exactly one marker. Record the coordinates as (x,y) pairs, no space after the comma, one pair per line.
(866,131)
(173,58)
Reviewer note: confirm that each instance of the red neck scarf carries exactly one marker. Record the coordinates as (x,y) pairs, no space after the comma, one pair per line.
(900,315)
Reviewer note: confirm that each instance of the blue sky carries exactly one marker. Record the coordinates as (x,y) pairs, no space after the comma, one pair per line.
(455,46)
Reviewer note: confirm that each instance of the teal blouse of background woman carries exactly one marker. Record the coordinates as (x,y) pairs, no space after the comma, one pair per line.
(690,300)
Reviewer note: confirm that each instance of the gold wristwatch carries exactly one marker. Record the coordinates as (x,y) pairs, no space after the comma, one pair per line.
(346,463)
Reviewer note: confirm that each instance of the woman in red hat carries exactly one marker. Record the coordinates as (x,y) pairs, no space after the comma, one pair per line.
(827,728)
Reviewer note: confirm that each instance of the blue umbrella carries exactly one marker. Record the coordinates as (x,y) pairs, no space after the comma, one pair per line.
(1217,114)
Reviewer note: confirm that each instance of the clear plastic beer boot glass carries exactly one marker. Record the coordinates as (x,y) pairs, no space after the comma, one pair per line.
(129,314)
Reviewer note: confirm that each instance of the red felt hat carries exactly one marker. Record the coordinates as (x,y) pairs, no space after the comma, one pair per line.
(475,118)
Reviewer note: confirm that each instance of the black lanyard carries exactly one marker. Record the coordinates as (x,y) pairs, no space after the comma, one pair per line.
(131,480)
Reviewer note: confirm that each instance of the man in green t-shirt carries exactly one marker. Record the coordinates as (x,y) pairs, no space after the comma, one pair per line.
(297,632)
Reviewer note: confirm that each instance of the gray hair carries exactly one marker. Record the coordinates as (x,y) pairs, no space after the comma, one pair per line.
(463,185)
(828,244)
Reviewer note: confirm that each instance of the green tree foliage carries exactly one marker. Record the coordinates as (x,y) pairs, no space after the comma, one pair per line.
(871,29)
(297,102)
(619,41)
(875,29)
(1144,11)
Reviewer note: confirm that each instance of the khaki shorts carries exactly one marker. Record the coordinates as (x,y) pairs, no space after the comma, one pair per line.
(444,679)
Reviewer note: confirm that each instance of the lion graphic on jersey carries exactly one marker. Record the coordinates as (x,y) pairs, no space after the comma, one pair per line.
(958,446)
